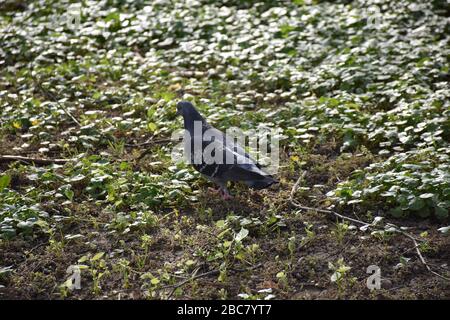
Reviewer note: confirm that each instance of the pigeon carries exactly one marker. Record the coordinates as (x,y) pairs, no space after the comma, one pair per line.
(225,160)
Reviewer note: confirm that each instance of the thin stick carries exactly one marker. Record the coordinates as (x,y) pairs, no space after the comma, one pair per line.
(147,151)
(48,94)
(182,283)
(9,158)
(296,185)
(148,142)
(291,199)
(422,259)
(297,205)
(369,225)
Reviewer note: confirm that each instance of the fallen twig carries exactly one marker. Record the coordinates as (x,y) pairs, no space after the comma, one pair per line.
(296,185)
(148,142)
(50,95)
(368,225)
(194,277)
(9,158)
(422,259)
(297,205)
(197,276)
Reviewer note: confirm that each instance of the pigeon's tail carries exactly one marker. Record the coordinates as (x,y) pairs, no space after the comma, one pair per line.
(261,184)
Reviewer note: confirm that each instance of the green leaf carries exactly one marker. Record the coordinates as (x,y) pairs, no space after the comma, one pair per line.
(150,112)
(335,276)
(397,212)
(423,213)
(190,262)
(96,95)
(220,224)
(97,256)
(416,204)
(69,194)
(76,178)
(152,126)
(83,259)
(241,235)
(440,212)
(5,180)
(4,270)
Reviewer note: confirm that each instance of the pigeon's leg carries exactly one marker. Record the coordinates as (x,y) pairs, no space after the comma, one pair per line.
(213,190)
(224,191)
(225,194)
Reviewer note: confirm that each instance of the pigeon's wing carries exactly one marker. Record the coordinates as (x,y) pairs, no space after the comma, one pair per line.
(209,165)
(250,174)
(235,166)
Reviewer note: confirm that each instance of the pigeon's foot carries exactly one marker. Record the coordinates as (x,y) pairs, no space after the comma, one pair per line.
(225,194)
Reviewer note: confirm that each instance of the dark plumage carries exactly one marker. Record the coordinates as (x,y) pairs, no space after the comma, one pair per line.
(241,167)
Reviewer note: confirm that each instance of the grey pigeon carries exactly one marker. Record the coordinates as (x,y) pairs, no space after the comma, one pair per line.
(234,163)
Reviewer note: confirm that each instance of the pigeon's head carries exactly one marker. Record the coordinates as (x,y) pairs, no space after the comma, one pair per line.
(184,108)
(189,113)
